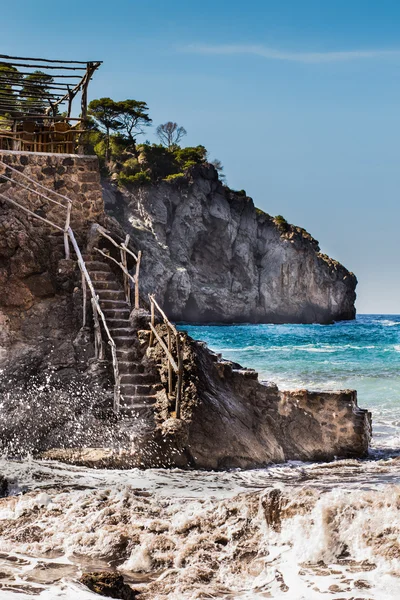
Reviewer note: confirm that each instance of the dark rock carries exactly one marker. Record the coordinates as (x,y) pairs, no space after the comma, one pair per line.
(108,584)
(208,256)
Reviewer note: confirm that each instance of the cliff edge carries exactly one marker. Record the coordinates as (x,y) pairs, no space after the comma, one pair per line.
(211,255)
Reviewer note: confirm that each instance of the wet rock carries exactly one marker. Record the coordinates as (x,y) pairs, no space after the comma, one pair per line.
(231,420)
(3,487)
(107,584)
(272,503)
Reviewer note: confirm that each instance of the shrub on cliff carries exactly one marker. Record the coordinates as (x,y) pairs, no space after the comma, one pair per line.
(141,178)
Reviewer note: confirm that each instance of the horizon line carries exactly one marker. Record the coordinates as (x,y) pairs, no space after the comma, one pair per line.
(301,57)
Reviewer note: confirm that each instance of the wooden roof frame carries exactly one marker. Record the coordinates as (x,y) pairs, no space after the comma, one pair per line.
(58,92)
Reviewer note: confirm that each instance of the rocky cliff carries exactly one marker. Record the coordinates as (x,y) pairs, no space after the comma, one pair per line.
(210,255)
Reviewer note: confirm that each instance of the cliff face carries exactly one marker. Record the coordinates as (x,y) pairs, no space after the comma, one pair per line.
(210,255)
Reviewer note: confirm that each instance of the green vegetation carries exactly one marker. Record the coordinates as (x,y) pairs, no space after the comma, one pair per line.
(113,131)
(27,91)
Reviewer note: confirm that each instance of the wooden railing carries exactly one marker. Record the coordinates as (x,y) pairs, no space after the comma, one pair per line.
(173,365)
(43,139)
(65,203)
(174,340)
(123,265)
(98,314)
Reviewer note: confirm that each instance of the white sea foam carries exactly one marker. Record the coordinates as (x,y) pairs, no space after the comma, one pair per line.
(327,529)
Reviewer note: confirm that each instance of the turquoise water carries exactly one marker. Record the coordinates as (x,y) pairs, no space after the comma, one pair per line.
(363,354)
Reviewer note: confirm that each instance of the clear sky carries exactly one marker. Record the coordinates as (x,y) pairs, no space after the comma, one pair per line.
(299,99)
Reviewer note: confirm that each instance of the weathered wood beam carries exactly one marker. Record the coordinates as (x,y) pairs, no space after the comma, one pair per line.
(164,347)
(49,60)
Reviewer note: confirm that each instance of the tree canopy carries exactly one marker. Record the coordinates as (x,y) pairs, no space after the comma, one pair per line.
(170,134)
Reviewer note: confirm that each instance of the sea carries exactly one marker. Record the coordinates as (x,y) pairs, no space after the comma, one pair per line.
(300,531)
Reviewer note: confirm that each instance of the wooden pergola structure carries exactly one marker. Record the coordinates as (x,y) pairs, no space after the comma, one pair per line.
(36,102)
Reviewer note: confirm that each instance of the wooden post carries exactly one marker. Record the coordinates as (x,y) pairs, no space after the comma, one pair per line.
(98,342)
(85,84)
(139,258)
(169,363)
(124,262)
(180,376)
(66,236)
(84,293)
(117,377)
(151,322)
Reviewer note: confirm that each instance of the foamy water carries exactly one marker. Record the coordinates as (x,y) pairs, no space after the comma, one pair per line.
(296,531)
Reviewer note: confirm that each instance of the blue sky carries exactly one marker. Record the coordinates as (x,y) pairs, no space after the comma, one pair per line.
(300,100)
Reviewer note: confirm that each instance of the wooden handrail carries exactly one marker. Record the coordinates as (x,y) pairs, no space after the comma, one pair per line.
(123,249)
(121,266)
(35,182)
(30,212)
(96,304)
(97,311)
(172,365)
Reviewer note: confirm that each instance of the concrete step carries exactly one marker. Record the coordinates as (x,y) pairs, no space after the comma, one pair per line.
(106,285)
(117,295)
(99,275)
(97,265)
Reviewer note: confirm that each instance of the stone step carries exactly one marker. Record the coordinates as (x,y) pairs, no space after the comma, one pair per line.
(126,367)
(131,378)
(122,331)
(117,295)
(91,258)
(98,275)
(133,401)
(129,354)
(137,412)
(146,389)
(113,304)
(106,285)
(119,324)
(97,265)
(125,342)
(116,313)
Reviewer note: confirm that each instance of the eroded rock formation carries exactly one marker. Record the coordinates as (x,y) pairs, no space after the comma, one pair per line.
(210,255)
(231,419)
(55,394)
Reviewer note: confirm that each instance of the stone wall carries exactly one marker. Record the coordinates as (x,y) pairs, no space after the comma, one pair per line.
(75,176)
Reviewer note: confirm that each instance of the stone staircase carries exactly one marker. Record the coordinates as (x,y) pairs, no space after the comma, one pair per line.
(139,385)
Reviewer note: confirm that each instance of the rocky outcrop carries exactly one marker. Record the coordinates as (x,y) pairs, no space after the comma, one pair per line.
(55,394)
(212,256)
(231,419)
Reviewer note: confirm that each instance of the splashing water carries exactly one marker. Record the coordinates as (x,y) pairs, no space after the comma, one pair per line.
(296,531)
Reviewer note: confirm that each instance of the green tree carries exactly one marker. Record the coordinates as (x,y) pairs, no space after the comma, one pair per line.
(170,134)
(133,116)
(9,77)
(35,89)
(106,112)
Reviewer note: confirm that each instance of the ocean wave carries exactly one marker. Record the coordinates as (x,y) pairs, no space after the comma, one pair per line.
(282,540)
